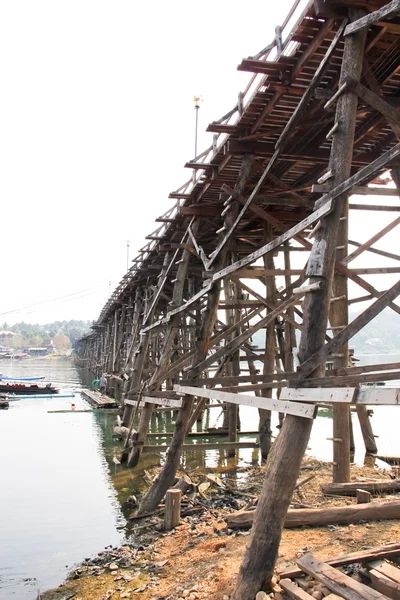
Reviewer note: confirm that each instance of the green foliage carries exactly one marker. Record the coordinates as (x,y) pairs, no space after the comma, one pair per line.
(43,335)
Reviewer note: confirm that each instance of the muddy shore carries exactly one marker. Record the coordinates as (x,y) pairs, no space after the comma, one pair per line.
(200,558)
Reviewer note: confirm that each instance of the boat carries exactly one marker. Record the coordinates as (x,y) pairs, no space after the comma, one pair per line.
(21,389)
(4,378)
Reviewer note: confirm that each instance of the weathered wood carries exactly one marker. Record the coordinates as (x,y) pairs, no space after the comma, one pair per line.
(172,516)
(364,175)
(366,429)
(385,568)
(335,580)
(384,584)
(366,245)
(293,590)
(355,326)
(364,190)
(388,11)
(328,395)
(363,497)
(289,234)
(391,550)
(350,489)
(315,517)
(290,408)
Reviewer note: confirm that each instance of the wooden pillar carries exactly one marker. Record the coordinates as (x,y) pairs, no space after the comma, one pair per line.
(366,429)
(232,366)
(270,348)
(283,467)
(140,357)
(167,475)
(169,339)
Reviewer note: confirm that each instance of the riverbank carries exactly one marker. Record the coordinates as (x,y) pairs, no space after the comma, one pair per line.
(201,557)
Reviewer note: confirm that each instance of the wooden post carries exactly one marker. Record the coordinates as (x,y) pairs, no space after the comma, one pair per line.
(172,516)
(270,347)
(366,429)
(145,416)
(165,480)
(283,467)
(363,497)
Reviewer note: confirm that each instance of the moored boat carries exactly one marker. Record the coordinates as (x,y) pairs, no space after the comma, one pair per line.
(21,389)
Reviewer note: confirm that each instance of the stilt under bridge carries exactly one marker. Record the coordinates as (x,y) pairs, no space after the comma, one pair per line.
(257,242)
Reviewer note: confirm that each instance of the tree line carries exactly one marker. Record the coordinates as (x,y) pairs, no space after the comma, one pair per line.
(62,334)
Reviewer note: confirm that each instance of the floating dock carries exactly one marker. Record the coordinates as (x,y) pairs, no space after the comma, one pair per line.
(99,401)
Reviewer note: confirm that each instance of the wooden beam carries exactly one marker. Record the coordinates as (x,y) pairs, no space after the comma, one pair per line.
(347,587)
(392,114)
(388,551)
(386,12)
(364,175)
(355,326)
(290,408)
(350,489)
(315,517)
(362,190)
(366,245)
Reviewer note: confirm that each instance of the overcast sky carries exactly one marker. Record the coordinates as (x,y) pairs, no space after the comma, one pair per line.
(97,121)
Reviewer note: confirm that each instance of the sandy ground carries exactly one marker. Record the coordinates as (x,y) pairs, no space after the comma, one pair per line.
(201,557)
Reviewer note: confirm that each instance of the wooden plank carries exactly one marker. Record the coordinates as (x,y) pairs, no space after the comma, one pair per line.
(293,590)
(365,396)
(348,332)
(290,408)
(385,585)
(379,396)
(311,86)
(382,566)
(386,12)
(391,550)
(376,207)
(316,517)
(349,380)
(335,580)
(159,401)
(350,489)
(362,190)
(329,395)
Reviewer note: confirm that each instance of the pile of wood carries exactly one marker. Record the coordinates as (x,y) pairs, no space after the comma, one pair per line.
(364,510)
(370,576)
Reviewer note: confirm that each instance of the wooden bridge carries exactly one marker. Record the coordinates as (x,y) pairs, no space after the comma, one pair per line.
(257,241)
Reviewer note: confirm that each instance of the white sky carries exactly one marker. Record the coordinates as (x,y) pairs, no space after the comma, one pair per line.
(96,123)
(93,91)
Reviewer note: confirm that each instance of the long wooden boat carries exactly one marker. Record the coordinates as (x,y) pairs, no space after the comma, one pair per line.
(25,390)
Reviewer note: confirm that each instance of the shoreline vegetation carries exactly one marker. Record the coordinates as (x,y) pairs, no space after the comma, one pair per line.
(200,558)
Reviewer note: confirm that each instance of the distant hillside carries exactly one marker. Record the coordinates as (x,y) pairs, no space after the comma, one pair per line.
(29,334)
(381,336)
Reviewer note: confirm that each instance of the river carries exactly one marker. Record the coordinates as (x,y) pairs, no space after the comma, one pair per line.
(61,492)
